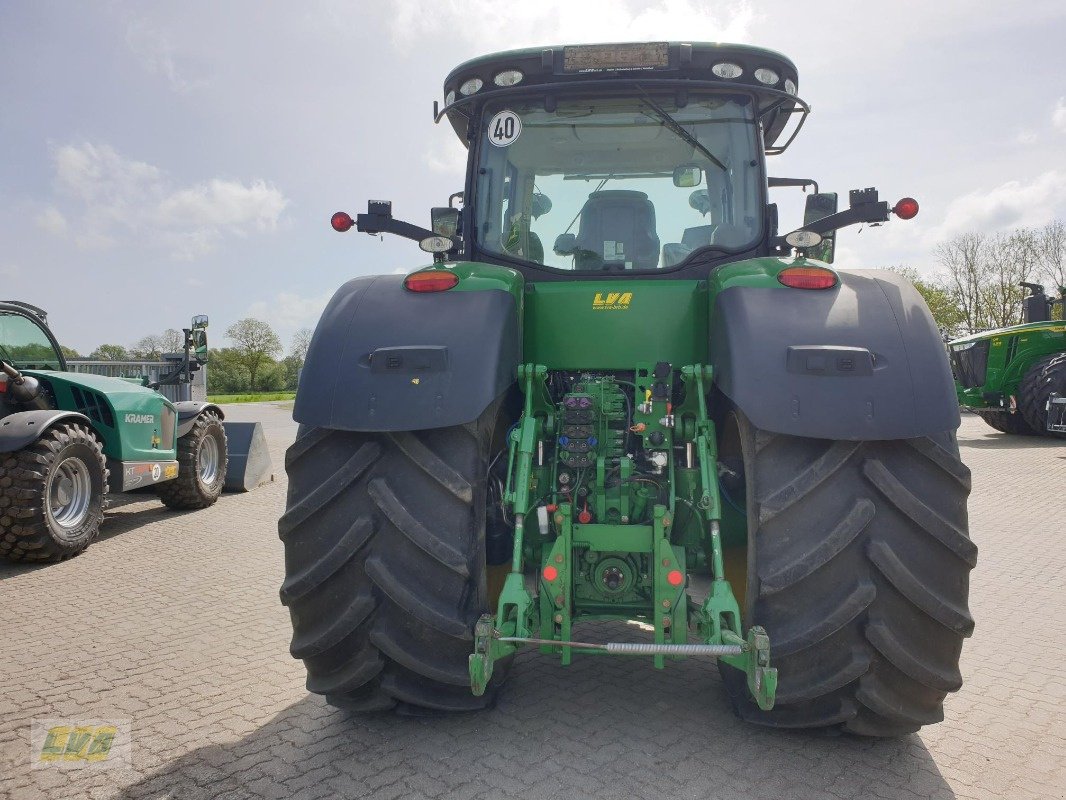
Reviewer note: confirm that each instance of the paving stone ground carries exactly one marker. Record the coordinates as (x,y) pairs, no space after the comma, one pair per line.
(172,622)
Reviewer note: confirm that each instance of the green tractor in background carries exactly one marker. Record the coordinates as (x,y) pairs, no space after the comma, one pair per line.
(68,439)
(619,392)
(1010,376)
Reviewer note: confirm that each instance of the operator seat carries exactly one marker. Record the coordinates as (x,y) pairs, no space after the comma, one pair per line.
(617,228)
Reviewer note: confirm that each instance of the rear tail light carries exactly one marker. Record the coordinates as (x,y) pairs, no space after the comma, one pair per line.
(907,208)
(430,281)
(808,278)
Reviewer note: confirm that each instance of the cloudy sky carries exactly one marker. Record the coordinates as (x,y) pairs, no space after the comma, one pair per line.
(159,160)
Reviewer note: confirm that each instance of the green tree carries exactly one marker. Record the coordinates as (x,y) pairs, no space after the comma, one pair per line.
(294,362)
(110,352)
(225,373)
(173,341)
(69,352)
(149,347)
(256,346)
(982,273)
(290,366)
(301,343)
(1051,257)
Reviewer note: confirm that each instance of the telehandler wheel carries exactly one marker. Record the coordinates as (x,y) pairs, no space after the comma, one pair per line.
(52,495)
(202,463)
(1006,422)
(858,567)
(1046,376)
(385,571)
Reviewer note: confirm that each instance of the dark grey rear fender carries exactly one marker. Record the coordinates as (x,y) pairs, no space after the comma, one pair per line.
(386,359)
(862,361)
(26,427)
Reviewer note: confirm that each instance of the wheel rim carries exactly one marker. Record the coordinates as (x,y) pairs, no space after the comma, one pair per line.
(207,461)
(70,493)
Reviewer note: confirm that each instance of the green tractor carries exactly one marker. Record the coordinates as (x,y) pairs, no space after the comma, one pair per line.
(620,393)
(1010,376)
(68,439)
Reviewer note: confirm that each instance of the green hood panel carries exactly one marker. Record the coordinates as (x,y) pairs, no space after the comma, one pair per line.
(134,422)
(1049,327)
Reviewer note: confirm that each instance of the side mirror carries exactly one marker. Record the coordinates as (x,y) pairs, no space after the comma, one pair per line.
(821,205)
(444,221)
(541,205)
(700,200)
(688,176)
(199,344)
(565,244)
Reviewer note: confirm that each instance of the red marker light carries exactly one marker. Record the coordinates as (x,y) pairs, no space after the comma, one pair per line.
(430,280)
(552,508)
(341,222)
(808,277)
(675,578)
(550,573)
(585,517)
(907,208)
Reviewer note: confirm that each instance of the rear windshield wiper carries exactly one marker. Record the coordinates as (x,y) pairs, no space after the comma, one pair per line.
(675,126)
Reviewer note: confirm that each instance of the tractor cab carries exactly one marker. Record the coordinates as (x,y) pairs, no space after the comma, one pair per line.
(646,160)
(25,340)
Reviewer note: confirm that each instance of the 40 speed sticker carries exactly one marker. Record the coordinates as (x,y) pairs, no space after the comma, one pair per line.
(504,128)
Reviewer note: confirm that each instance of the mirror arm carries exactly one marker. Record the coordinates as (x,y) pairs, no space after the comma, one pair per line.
(379,219)
(369,223)
(865,208)
(803,183)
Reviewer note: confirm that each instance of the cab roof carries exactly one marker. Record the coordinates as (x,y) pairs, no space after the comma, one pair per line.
(676,65)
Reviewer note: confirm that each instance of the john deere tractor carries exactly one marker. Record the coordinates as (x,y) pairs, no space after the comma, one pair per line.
(1010,376)
(68,439)
(620,392)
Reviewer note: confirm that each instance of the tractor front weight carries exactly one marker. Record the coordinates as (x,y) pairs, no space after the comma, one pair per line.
(596,476)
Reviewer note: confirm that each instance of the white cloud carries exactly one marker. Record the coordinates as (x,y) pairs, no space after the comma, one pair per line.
(226,204)
(98,174)
(53,221)
(509,25)
(114,199)
(1058,116)
(10,271)
(287,312)
(1011,204)
(1025,137)
(157,55)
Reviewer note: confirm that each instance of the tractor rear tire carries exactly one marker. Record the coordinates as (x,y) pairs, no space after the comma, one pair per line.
(1006,422)
(52,495)
(1046,376)
(858,567)
(202,461)
(385,572)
